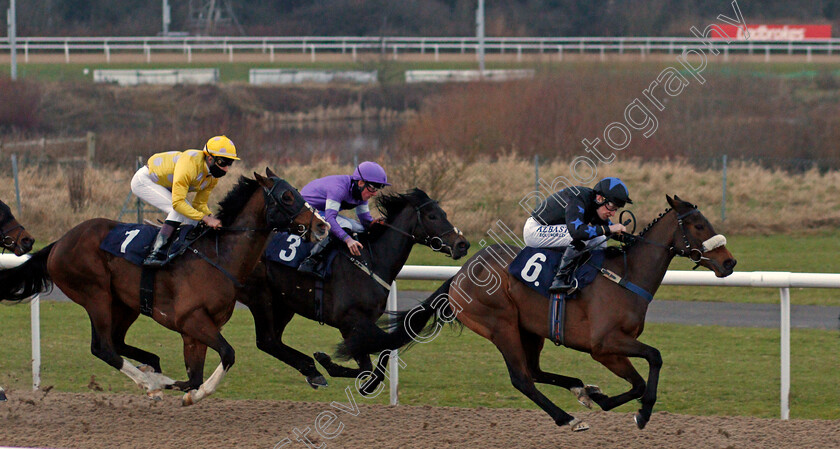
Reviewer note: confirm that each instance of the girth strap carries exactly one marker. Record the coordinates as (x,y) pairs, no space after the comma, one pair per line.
(360,265)
(217,266)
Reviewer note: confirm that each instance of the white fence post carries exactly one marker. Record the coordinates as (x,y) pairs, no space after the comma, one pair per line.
(35,320)
(785,352)
(393,362)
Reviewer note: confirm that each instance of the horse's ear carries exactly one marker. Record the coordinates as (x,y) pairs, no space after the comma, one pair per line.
(270,173)
(670,201)
(262,181)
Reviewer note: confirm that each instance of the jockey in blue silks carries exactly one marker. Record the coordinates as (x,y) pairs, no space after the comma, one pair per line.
(577,218)
(331,194)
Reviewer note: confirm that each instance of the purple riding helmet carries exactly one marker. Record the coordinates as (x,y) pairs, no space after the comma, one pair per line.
(370,172)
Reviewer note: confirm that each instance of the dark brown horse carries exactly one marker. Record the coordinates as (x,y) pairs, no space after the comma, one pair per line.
(604,320)
(14,236)
(192,296)
(353,300)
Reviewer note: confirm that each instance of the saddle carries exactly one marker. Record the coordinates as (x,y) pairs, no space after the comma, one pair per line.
(535,267)
(133,242)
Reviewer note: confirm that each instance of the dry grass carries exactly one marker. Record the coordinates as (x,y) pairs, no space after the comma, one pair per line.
(478,193)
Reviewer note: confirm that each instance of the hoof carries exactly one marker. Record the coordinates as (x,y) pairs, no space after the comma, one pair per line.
(187,400)
(2,395)
(578,426)
(592,389)
(582,397)
(155,395)
(317,381)
(640,420)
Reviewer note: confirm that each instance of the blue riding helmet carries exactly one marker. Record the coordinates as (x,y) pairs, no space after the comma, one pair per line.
(371,172)
(614,190)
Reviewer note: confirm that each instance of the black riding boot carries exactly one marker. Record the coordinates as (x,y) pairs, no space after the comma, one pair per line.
(157,257)
(314,263)
(563,281)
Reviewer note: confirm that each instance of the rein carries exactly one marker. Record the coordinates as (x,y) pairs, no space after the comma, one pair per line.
(688,252)
(436,243)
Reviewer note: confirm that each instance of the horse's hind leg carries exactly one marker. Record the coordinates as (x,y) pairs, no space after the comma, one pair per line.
(363,360)
(102,346)
(511,346)
(533,345)
(124,317)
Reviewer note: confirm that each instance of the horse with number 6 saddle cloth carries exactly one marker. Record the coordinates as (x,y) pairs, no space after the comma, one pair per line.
(535,267)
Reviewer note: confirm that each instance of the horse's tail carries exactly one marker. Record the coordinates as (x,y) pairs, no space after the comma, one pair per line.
(404,328)
(23,281)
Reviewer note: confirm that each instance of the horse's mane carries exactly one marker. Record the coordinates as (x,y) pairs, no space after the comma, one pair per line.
(235,200)
(390,204)
(624,248)
(5,212)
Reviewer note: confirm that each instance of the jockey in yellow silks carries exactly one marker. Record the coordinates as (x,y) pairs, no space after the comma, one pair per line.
(168,177)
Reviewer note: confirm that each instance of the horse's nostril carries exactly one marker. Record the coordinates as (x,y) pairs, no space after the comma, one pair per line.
(730,263)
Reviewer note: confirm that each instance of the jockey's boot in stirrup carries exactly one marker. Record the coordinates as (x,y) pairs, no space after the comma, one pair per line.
(157,257)
(563,280)
(314,263)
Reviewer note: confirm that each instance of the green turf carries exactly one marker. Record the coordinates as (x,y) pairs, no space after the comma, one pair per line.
(390,70)
(708,370)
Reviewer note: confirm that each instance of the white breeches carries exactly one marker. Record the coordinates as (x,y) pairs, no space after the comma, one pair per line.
(156,195)
(554,236)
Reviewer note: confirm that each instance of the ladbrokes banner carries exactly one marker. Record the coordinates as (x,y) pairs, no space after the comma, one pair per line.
(774,32)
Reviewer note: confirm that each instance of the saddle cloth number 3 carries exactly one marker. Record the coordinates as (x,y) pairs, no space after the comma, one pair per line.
(294,241)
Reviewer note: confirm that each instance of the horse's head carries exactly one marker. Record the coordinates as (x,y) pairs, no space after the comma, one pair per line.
(696,239)
(434,229)
(286,209)
(14,236)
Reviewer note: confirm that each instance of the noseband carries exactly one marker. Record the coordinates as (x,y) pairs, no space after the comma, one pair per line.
(301,228)
(8,241)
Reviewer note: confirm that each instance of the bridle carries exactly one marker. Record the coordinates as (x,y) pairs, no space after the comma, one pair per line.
(436,243)
(689,252)
(8,241)
(299,203)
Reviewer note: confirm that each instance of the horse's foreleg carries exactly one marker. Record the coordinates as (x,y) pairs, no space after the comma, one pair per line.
(269,329)
(621,366)
(194,356)
(200,327)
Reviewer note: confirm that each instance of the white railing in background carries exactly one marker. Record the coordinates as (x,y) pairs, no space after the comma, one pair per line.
(157,76)
(395,45)
(784,281)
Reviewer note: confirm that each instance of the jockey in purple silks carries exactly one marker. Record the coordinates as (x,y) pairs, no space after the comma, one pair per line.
(332,194)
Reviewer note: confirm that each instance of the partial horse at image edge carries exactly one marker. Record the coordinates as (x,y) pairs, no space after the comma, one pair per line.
(605,320)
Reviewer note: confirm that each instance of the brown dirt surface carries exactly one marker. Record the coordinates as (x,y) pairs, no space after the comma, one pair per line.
(97,420)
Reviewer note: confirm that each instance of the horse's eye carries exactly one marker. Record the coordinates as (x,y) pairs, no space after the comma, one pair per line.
(699,227)
(432,217)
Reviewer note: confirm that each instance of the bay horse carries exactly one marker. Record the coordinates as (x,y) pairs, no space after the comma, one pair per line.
(352,300)
(14,236)
(194,294)
(604,320)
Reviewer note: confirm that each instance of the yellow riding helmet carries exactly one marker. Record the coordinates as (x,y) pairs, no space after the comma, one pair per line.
(221,146)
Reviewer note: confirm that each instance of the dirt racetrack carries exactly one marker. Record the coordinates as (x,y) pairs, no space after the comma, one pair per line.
(95,420)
